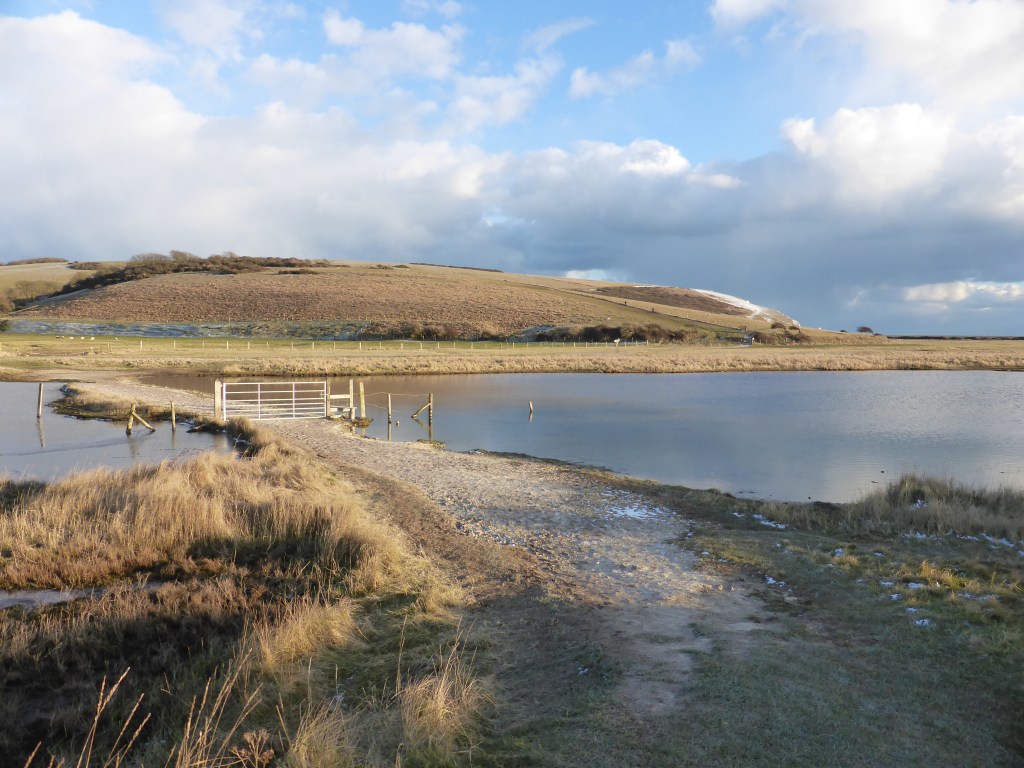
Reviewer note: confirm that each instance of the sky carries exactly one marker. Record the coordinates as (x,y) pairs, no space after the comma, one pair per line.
(854,163)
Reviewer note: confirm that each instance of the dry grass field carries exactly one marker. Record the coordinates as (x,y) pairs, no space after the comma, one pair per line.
(21,354)
(454,301)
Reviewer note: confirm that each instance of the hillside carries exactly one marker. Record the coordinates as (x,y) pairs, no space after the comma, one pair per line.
(22,282)
(417,300)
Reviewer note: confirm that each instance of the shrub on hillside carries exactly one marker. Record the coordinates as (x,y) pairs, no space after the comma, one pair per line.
(146,265)
(650,332)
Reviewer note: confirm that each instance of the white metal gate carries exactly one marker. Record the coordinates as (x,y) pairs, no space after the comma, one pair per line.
(272,399)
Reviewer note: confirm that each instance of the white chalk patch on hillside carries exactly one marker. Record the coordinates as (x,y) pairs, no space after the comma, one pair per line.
(755,311)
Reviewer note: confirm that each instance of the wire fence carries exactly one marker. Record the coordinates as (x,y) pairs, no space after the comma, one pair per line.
(97,345)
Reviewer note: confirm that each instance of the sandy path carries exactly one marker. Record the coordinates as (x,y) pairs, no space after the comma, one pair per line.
(588,542)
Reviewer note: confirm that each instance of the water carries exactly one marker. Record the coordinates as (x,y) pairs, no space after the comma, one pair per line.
(55,445)
(790,436)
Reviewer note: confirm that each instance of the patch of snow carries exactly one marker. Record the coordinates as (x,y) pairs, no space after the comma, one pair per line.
(770,523)
(774,582)
(631,505)
(896,596)
(887,583)
(923,623)
(838,552)
(992,540)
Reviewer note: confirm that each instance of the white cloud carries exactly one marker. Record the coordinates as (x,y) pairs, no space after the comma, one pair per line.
(447,8)
(594,274)
(543,38)
(679,54)
(652,158)
(344,32)
(876,152)
(961,55)
(736,12)
(401,49)
(965,291)
(217,26)
(497,100)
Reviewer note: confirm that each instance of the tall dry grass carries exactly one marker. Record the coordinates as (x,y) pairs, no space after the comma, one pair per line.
(272,540)
(102,524)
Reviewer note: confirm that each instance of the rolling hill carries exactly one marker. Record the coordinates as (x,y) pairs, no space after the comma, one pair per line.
(418,300)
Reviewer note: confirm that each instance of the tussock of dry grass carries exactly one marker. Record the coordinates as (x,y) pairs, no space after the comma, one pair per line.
(306,629)
(439,712)
(101,524)
(915,504)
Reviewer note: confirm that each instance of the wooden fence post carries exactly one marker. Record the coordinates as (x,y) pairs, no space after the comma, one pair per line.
(362,400)
(174,424)
(39,406)
(389,407)
(218,403)
(327,399)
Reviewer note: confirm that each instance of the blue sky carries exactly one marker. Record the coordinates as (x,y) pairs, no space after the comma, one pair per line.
(849,163)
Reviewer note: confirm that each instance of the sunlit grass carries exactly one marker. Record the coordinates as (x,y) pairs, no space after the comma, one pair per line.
(258,607)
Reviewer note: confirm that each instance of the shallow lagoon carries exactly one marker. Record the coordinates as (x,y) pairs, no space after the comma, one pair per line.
(791,436)
(53,446)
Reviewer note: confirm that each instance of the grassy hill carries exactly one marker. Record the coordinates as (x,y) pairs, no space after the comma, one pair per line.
(419,300)
(21,283)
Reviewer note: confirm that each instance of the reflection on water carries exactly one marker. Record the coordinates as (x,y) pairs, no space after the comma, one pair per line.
(794,436)
(54,445)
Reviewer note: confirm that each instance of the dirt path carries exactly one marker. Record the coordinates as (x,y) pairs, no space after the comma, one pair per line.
(601,596)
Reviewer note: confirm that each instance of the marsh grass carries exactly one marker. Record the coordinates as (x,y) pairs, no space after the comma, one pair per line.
(241,593)
(916,504)
(284,357)
(887,642)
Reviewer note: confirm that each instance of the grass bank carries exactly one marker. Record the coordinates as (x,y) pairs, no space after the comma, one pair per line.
(20,354)
(240,611)
(895,632)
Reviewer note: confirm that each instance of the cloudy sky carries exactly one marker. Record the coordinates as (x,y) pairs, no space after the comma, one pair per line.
(851,163)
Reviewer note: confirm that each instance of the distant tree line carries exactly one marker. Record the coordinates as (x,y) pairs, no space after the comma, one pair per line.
(152,264)
(38,260)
